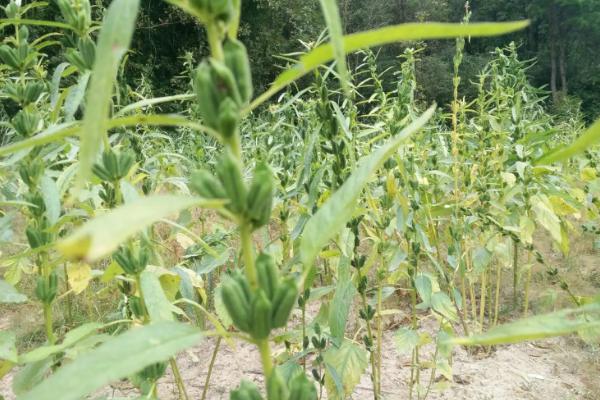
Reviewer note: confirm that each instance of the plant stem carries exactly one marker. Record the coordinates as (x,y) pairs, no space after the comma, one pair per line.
(515,272)
(248,254)
(214,41)
(48,324)
(210,367)
(177,375)
(527,285)
(265,356)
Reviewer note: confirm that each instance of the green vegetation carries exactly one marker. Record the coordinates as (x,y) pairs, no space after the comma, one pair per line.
(142,215)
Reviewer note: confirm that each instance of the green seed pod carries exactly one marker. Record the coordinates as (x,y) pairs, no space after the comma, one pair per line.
(236,59)
(26,122)
(31,92)
(260,196)
(268,275)
(224,82)
(283,302)
(153,372)
(206,185)
(236,303)
(302,389)
(47,288)
(133,260)
(246,391)
(230,175)
(276,387)
(113,166)
(9,57)
(229,117)
(260,318)
(206,93)
(87,49)
(200,5)
(11,10)
(221,10)
(136,306)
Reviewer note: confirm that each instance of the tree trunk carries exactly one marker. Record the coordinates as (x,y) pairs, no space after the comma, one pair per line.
(552,37)
(563,67)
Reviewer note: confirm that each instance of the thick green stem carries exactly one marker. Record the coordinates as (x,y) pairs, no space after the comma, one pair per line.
(265,356)
(215,41)
(48,324)
(527,285)
(248,254)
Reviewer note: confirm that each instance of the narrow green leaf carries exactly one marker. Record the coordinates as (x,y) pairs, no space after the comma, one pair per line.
(349,362)
(113,42)
(336,33)
(9,294)
(377,37)
(539,327)
(35,22)
(50,135)
(338,209)
(117,358)
(150,102)
(102,235)
(588,139)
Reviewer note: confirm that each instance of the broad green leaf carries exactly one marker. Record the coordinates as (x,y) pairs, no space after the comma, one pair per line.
(539,327)
(349,362)
(424,289)
(588,139)
(117,358)
(341,304)
(8,346)
(406,340)
(441,303)
(113,42)
(51,198)
(377,37)
(102,235)
(336,33)
(158,306)
(9,294)
(338,209)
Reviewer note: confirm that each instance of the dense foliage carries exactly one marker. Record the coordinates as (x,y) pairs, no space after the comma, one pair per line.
(297,215)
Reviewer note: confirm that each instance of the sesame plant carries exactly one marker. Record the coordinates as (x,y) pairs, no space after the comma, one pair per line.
(299,221)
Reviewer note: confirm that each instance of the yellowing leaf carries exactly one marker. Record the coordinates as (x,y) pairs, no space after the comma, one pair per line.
(588,174)
(546,217)
(344,365)
(80,275)
(561,207)
(103,235)
(526,228)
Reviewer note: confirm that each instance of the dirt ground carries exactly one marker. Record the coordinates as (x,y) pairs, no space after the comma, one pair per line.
(557,369)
